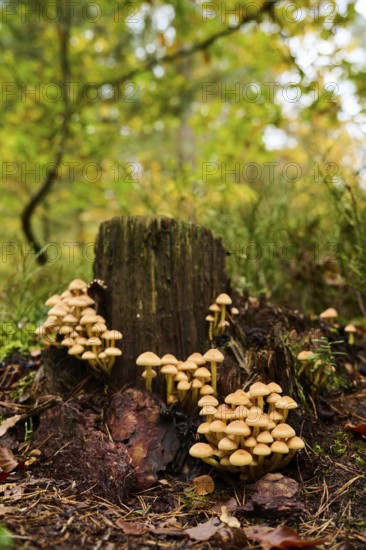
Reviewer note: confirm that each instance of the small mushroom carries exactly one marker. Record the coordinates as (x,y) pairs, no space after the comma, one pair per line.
(213,356)
(148,359)
(169,370)
(350,330)
(223,300)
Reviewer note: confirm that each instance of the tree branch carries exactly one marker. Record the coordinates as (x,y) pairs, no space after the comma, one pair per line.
(267,7)
(51,177)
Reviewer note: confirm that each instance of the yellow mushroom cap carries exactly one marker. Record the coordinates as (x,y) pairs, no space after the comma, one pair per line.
(203,428)
(109,335)
(148,359)
(258,389)
(196,358)
(183,385)
(274,388)
(350,328)
(202,372)
(209,318)
(78,284)
(169,359)
(169,369)
(208,400)
(213,356)
(196,384)
(93,341)
(206,390)
(227,444)
(295,443)
(88,320)
(180,376)
(224,299)
(208,410)
(261,449)
(112,352)
(279,447)
(240,458)
(214,308)
(283,431)
(234,311)
(88,355)
(217,426)
(201,450)
(225,413)
(241,412)
(238,427)
(329,313)
(286,402)
(273,398)
(239,397)
(68,342)
(265,437)
(53,300)
(250,442)
(305,355)
(56,311)
(188,365)
(76,349)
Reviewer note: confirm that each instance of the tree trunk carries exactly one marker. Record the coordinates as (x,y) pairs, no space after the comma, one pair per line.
(161,275)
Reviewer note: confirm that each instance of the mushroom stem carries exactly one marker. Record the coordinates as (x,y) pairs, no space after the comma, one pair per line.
(214,377)
(169,386)
(148,385)
(210,331)
(351,338)
(223,312)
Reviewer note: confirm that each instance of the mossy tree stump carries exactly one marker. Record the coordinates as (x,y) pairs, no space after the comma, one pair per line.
(161,275)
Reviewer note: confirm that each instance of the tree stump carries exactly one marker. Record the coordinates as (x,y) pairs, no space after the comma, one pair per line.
(161,277)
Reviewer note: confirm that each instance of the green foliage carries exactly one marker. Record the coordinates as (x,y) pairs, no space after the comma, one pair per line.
(6,540)
(213,137)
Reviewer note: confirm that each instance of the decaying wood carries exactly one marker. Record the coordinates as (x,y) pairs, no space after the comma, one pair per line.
(162,275)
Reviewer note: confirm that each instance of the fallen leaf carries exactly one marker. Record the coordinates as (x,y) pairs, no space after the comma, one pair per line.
(132,528)
(204,531)
(359,428)
(203,485)
(7,460)
(9,423)
(282,537)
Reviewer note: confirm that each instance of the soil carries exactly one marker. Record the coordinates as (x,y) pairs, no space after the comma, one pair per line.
(84,486)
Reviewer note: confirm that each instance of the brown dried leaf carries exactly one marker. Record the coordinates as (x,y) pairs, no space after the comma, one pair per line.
(7,460)
(204,531)
(132,528)
(359,428)
(203,485)
(9,423)
(281,537)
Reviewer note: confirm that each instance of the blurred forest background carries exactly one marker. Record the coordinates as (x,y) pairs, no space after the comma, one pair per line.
(247,117)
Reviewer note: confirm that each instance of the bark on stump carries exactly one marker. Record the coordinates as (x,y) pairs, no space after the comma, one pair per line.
(161,275)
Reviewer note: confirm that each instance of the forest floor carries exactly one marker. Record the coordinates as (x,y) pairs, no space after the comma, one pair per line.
(43,507)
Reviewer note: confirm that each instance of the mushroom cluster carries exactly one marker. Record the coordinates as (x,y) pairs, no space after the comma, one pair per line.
(186,381)
(74,323)
(316,367)
(219,317)
(247,434)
